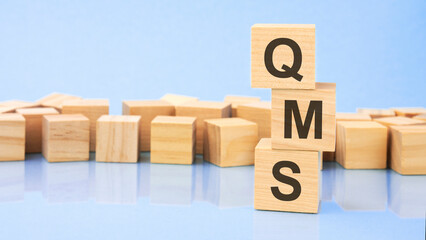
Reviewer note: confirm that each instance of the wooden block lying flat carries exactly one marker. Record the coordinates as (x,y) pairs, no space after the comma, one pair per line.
(285,180)
(258,112)
(6,109)
(304,119)
(377,113)
(421,117)
(409,111)
(230,142)
(66,137)
(12,137)
(148,110)
(55,100)
(33,129)
(353,117)
(92,109)
(237,100)
(175,99)
(203,110)
(399,121)
(15,104)
(283,56)
(117,139)
(173,140)
(408,149)
(361,145)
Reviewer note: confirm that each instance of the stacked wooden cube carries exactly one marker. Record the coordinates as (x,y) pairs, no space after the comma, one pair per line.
(287,165)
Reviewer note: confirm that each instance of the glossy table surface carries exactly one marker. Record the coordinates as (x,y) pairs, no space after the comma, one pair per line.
(89,200)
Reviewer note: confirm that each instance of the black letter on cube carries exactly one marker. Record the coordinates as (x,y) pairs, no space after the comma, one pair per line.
(290,107)
(297,189)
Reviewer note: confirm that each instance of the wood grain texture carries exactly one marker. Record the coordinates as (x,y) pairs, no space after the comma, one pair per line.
(33,129)
(12,137)
(15,104)
(230,142)
(420,117)
(237,100)
(308,163)
(399,121)
(409,111)
(361,145)
(92,109)
(203,110)
(147,110)
(173,140)
(258,112)
(353,117)
(66,137)
(262,35)
(55,100)
(408,149)
(176,99)
(325,92)
(376,113)
(117,139)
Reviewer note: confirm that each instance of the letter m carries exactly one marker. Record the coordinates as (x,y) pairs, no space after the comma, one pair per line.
(291,108)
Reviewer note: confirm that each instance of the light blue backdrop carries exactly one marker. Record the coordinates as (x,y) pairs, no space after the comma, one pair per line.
(373,50)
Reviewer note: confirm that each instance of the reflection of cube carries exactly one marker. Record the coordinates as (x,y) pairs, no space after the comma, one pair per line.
(408,149)
(286,180)
(173,140)
(230,141)
(92,109)
(361,144)
(12,137)
(409,111)
(12,181)
(376,113)
(237,100)
(258,112)
(66,138)
(117,138)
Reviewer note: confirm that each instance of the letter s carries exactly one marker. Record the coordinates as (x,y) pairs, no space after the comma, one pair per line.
(297,189)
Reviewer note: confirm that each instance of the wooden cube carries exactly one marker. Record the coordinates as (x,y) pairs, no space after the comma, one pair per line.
(377,113)
(175,99)
(92,109)
(408,149)
(361,145)
(6,109)
(258,112)
(56,100)
(285,180)
(283,56)
(353,117)
(148,110)
(33,129)
(66,137)
(117,139)
(15,104)
(173,140)
(399,121)
(304,119)
(237,100)
(421,117)
(203,110)
(230,142)
(409,111)
(12,137)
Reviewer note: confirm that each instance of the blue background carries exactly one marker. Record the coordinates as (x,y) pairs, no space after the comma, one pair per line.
(373,50)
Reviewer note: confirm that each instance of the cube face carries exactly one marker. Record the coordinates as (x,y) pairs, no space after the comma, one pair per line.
(92,109)
(409,111)
(230,141)
(399,121)
(173,140)
(33,130)
(258,112)
(361,145)
(408,149)
(203,110)
(237,100)
(304,119)
(377,113)
(286,180)
(117,139)
(66,137)
(176,99)
(15,104)
(148,110)
(12,137)
(353,117)
(56,100)
(283,56)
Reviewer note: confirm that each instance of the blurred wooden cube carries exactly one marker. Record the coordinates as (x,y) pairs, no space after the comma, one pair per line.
(237,100)
(409,111)
(15,104)
(304,119)
(353,117)
(230,142)
(399,121)
(147,110)
(33,126)
(286,180)
(66,137)
(6,109)
(203,110)
(421,117)
(258,112)
(117,139)
(361,145)
(173,140)
(56,100)
(12,137)
(408,149)
(176,99)
(377,113)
